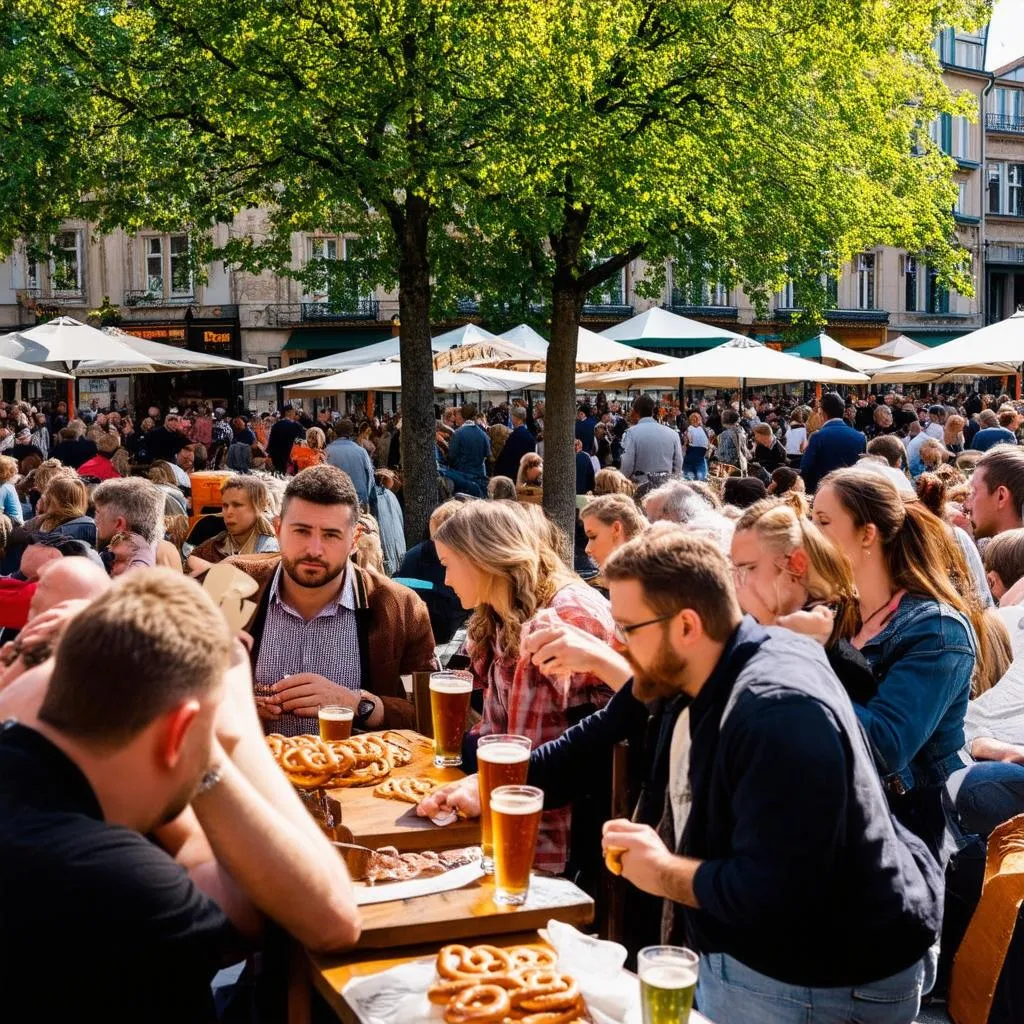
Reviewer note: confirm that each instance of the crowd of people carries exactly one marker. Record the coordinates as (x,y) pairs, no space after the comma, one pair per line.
(804,618)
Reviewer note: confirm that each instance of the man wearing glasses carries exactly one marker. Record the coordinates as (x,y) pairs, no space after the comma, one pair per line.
(762,824)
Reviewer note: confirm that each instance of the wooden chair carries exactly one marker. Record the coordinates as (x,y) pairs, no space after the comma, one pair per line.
(529,495)
(615,888)
(982,953)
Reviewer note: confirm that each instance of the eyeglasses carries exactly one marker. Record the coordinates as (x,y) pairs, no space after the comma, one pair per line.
(622,633)
(741,572)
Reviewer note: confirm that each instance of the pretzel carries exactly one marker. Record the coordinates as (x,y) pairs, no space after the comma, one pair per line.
(368,776)
(441,992)
(553,1000)
(478,1004)
(457,962)
(537,983)
(367,750)
(399,753)
(410,790)
(524,957)
(309,760)
(276,742)
(574,1013)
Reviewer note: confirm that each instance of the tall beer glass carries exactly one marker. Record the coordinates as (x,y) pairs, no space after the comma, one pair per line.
(668,980)
(449,706)
(335,722)
(515,821)
(501,761)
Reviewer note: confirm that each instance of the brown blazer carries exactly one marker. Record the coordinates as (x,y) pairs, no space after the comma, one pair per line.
(392,622)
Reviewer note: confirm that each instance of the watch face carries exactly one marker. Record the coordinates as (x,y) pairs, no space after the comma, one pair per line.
(365,708)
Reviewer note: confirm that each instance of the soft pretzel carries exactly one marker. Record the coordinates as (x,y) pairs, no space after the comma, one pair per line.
(457,962)
(399,753)
(478,1004)
(367,750)
(552,1000)
(574,1013)
(525,957)
(410,790)
(276,742)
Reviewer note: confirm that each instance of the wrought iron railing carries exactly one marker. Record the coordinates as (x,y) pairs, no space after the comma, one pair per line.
(1004,253)
(689,309)
(286,314)
(610,309)
(1004,123)
(872,316)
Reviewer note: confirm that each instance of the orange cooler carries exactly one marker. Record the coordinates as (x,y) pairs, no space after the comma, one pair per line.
(206,487)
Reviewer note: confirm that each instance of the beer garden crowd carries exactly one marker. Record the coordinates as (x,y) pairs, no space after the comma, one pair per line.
(803,617)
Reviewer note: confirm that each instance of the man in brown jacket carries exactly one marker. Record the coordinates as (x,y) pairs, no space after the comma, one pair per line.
(324,630)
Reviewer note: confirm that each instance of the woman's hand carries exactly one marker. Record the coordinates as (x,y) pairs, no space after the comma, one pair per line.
(816,622)
(559,650)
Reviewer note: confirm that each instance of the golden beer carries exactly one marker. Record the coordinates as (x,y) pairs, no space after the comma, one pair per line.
(668,981)
(449,706)
(501,761)
(515,821)
(335,722)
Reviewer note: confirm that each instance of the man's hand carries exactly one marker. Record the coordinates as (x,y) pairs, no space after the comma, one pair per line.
(305,693)
(646,861)
(462,796)
(986,748)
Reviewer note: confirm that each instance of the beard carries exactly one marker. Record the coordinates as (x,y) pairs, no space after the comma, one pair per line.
(662,678)
(311,572)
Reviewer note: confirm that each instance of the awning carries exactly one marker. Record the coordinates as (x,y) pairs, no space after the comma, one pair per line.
(307,340)
(931,338)
(691,344)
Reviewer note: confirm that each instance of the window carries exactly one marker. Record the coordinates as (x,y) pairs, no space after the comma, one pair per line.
(611,292)
(968,53)
(962,138)
(1005,185)
(66,265)
(699,292)
(323,248)
(865,269)
(936,299)
(168,274)
(961,198)
(910,283)
(786,298)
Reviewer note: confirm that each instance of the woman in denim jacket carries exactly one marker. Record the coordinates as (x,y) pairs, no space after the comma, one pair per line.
(921,632)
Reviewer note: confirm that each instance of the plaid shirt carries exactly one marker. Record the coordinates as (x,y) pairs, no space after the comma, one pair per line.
(520,699)
(327,644)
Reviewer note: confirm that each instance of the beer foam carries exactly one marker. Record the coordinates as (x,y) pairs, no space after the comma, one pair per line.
(450,684)
(336,714)
(502,753)
(516,803)
(671,976)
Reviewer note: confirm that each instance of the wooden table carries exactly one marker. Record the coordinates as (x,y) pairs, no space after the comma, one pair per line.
(375,822)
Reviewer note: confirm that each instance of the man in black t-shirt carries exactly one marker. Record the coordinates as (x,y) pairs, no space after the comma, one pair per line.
(164,442)
(121,765)
(72,449)
(283,434)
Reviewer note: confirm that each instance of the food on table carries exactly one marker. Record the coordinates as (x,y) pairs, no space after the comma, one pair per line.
(310,762)
(400,753)
(488,985)
(412,791)
(388,865)
(613,859)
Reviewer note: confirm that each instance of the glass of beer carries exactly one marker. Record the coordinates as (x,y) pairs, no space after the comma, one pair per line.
(335,722)
(501,761)
(449,706)
(515,821)
(668,980)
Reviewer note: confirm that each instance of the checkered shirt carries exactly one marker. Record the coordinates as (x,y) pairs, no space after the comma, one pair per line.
(327,644)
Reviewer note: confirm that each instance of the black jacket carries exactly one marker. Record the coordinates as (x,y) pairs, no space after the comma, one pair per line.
(519,443)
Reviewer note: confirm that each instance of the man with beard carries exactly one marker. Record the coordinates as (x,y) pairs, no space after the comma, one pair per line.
(324,630)
(996,500)
(763,825)
(146,737)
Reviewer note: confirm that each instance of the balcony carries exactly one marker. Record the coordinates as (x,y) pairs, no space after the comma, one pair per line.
(708,312)
(143,297)
(864,316)
(290,314)
(611,310)
(1004,123)
(1004,254)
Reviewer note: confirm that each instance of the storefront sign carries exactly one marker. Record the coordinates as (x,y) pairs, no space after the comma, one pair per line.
(165,335)
(216,338)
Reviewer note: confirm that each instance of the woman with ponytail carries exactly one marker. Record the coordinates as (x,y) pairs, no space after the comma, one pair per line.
(922,631)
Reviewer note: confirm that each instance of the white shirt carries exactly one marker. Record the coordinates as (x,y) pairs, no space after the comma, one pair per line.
(181,476)
(697,437)
(795,437)
(935,430)
(680,798)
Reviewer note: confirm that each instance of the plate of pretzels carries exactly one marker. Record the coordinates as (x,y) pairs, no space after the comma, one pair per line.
(520,985)
(311,763)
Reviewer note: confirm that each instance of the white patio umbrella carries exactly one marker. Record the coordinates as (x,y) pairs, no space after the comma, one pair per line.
(670,329)
(826,349)
(14,369)
(483,379)
(987,352)
(386,375)
(69,342)
(737,363)
(594,353)
(169,356)
(899,347)
(525,337)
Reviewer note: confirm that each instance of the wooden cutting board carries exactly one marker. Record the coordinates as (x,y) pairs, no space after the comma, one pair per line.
(375,822)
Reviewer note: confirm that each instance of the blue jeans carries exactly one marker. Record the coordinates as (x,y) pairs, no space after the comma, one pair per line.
(728,992)
(695,464)
(465,483)
(992,792)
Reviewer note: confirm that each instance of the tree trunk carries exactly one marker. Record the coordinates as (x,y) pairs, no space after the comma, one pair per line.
(419,465)
(560,404)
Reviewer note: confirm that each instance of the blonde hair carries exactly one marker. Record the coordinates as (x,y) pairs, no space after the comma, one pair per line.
(65,498)
(616,508)
(502,540)
(527,462)
(782,530)
(259,498)
(8,468)
(161,473)
(316,438)
(611,481)
(47,471)
(1000,647)
(367,552)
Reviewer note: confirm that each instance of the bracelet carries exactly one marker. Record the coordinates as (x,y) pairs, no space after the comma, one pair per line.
(209,780)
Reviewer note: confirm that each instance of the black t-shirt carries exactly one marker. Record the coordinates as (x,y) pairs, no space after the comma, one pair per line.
(23,451)
(74,453)
(283,434)
(162,443)
(96,922)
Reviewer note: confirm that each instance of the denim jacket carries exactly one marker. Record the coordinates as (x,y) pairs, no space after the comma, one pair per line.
(923,660)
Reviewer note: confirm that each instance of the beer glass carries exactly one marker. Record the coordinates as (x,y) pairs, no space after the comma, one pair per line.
(449,706)
(335,722)
(501,761)
(668,980)
(515,821)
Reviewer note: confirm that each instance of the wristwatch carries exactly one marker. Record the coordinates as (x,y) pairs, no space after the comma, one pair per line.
(364,710)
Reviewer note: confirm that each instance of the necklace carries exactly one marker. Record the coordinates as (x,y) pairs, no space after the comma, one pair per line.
(868,618)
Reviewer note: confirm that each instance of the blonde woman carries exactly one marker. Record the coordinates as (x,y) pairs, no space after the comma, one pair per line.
(531,471)
(309,452)
(8,492)
(63,509)
(367,551)
(609,521)
(611,481)
(503,568)
(248,526)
